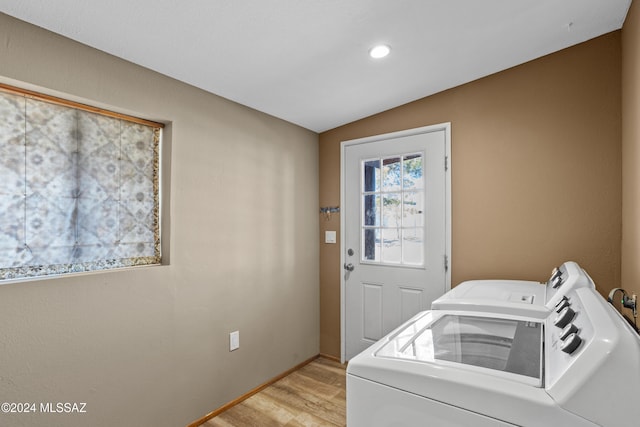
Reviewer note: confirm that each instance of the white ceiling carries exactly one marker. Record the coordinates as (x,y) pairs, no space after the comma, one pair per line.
(306,61)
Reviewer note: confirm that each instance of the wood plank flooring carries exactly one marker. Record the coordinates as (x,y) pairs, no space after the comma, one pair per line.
(313,396)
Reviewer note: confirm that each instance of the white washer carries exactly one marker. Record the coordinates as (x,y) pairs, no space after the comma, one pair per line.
(464,368)
(516,296)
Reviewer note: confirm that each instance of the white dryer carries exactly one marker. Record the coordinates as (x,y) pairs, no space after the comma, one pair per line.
(516,296)
(461,368)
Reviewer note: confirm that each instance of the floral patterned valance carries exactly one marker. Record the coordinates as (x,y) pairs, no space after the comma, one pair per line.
(78,190)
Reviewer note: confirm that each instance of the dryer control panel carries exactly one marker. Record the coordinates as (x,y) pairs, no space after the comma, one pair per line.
(563,280)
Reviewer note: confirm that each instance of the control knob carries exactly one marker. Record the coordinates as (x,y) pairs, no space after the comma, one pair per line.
(564,317)
(557,281)
(564,302)
(572,342)
(571,328)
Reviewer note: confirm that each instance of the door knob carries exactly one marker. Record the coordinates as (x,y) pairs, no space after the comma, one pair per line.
(348,267)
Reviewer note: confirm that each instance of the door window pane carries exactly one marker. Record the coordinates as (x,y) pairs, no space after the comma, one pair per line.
(391,246)
(371,244)
(371,175)
(413,245)
(412,209)
(391,174)
(391,208)
(413,173)
(372,209)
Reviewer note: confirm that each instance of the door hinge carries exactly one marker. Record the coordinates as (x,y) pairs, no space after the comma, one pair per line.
(446,263)
(446,163)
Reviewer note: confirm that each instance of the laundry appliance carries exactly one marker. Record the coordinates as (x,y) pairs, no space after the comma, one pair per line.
(516,296)
(459,368)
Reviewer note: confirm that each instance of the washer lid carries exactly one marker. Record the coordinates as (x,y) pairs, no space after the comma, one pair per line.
(514,297)
(516,291)
(501,344)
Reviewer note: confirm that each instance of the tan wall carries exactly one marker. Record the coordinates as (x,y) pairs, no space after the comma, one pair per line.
(631,151)
(149,346)
(536,179)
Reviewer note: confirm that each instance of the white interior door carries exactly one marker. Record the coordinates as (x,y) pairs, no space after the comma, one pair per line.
(395,231)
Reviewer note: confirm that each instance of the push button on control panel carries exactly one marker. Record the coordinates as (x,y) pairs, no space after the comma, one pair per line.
(564,317)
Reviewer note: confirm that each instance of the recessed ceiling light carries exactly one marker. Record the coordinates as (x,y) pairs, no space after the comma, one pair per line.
(379,51)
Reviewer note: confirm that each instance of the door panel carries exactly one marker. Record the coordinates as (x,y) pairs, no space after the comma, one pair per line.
(394,231)
(372,312)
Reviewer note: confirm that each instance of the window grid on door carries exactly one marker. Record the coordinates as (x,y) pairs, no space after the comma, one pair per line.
(392,210)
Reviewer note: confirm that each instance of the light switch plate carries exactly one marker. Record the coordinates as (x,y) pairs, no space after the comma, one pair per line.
(330,237)
(234,340)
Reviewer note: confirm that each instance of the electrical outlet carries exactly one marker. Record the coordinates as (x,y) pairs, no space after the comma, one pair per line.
(234,340)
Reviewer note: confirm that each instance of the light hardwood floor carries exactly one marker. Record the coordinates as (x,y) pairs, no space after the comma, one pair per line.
(314,395)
